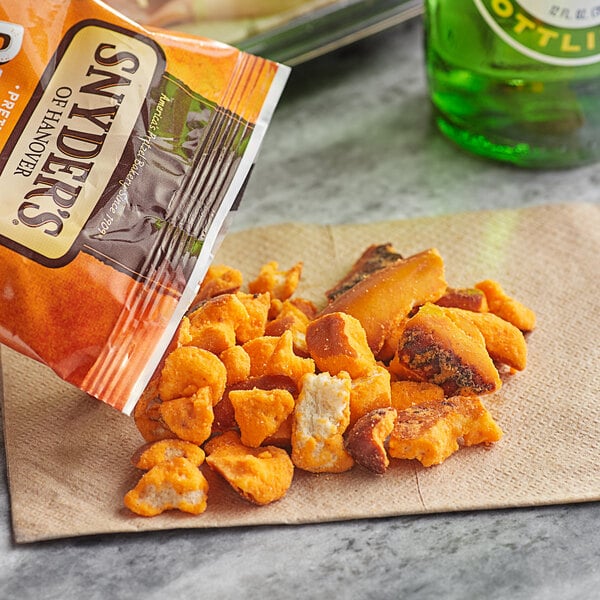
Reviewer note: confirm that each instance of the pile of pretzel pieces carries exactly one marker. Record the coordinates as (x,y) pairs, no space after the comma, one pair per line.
(259,382)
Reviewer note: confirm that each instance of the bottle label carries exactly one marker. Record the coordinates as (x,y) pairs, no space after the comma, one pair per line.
(558,32)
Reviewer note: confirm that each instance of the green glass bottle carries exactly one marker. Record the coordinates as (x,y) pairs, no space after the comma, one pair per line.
(517,80)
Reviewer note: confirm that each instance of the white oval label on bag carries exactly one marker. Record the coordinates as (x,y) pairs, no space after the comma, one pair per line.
(71,143)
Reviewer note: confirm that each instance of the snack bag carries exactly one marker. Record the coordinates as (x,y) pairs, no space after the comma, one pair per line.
(123,151)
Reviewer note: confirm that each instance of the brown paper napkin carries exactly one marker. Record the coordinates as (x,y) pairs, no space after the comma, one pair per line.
(68,454)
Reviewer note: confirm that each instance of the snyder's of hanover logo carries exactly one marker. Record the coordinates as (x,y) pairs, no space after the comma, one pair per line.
(73,140)
(11,40)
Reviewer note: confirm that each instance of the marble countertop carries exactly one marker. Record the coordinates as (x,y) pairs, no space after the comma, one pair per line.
(350,142)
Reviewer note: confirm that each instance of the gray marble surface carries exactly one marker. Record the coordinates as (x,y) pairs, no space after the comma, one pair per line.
(350,142)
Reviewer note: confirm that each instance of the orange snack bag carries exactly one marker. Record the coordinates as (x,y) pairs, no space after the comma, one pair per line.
(123,151)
